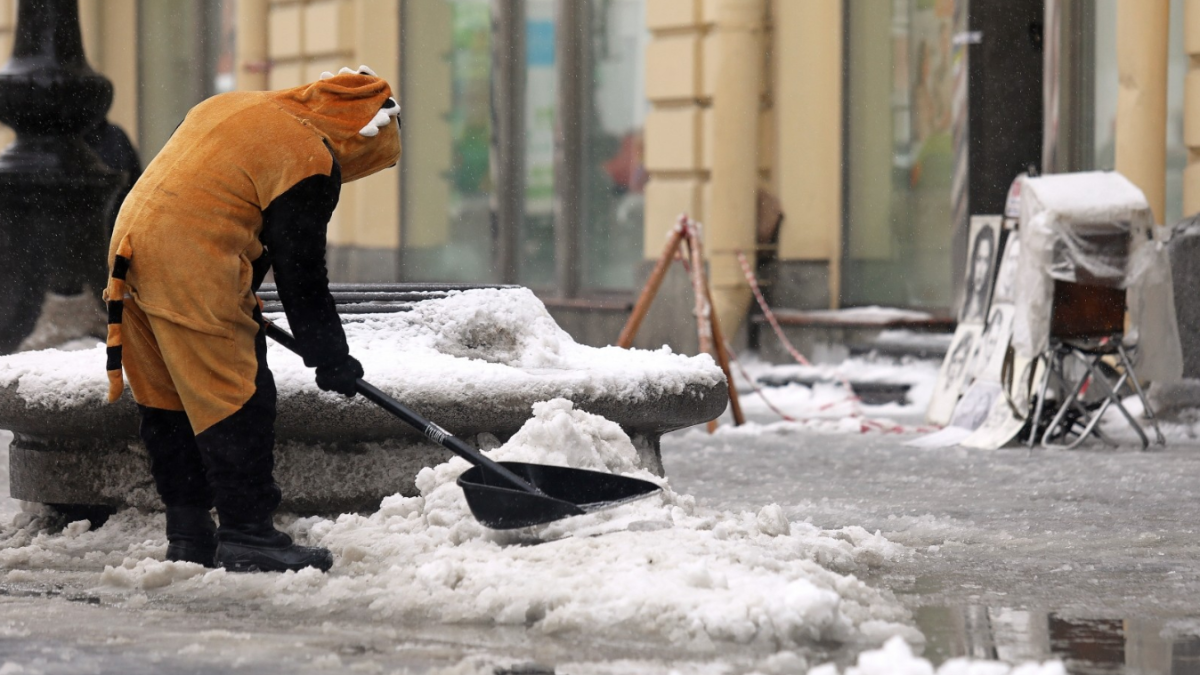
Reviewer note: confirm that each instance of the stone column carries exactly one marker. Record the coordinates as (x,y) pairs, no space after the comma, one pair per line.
(808,47)
(1141,135)
(1191,107)
(53,189)
(736,106)
(252,58)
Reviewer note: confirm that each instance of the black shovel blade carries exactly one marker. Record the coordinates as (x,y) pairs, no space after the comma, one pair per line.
(565,492)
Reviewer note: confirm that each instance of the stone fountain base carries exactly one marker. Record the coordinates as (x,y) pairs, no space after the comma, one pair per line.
(460,357)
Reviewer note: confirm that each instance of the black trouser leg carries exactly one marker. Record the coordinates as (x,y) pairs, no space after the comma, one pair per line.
(174,458)
(239,457)
(238,452)
(179,475)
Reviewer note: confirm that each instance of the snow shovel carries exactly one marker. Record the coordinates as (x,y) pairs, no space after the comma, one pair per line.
(509,495)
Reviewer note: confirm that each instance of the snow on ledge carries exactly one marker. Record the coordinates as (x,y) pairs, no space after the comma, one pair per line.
(479,343)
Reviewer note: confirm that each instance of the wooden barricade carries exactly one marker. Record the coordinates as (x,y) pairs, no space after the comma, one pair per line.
(685,243)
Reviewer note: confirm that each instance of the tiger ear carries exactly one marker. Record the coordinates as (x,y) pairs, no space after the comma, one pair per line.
(362,70)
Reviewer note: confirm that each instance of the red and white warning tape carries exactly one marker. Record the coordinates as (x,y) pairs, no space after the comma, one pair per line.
(866,424)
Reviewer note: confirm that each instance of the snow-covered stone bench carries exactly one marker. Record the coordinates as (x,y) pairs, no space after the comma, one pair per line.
(475,361)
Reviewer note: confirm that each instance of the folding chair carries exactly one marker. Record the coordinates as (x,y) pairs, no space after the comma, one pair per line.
(1086,334)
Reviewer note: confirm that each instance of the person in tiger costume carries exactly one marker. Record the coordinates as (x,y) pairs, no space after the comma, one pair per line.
(246,184)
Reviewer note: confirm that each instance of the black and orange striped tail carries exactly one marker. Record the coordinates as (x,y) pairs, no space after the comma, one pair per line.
(114,295)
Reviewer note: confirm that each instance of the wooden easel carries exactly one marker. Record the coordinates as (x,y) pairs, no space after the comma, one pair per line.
(685,244)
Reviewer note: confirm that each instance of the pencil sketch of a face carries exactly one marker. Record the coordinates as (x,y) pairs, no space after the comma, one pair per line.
(979,278)
(958,361)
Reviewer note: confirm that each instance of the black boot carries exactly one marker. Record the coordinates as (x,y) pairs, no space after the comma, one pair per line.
(191,535)
(256,546)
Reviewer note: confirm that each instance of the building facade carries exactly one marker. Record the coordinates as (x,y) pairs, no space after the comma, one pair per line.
(552,143)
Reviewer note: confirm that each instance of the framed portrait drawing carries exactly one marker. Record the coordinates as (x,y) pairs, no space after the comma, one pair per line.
(954,373)
(983,247)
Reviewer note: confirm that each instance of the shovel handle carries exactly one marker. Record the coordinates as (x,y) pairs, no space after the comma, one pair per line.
(409,416)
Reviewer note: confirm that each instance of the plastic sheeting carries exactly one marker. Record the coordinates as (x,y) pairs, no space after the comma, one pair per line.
(1096,228)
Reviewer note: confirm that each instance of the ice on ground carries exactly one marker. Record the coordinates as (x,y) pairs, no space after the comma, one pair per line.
(482,343)
(663,568)
(895,657)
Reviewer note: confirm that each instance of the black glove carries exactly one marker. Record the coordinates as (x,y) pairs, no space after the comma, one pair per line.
(340,376)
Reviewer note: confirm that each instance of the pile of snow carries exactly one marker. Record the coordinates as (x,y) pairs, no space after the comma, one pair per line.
(664,567)
(480,343)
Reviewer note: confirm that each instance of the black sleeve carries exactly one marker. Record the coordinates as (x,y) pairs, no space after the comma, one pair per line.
(294,227)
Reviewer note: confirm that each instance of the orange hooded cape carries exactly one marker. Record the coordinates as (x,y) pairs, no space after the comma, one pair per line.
(189,230)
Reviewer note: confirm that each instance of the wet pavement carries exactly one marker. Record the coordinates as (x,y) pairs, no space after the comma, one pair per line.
(1092,556)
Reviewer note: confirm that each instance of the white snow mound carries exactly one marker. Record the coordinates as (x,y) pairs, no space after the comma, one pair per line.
(663,568)
(484,343)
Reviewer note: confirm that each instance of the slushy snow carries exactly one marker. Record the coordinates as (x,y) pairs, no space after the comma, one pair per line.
(895,657)
(663,568)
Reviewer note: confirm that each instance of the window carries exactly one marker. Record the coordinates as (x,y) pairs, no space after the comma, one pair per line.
(447,135)
(899,153)
(483,121)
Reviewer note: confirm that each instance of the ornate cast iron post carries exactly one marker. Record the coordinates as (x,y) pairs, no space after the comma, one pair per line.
(53,188)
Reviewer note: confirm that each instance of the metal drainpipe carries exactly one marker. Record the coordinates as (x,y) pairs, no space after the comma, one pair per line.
(508,138)
(572,39)
(731,225)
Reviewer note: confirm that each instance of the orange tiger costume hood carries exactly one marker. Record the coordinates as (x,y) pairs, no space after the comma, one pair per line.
(348,110)
(188,232)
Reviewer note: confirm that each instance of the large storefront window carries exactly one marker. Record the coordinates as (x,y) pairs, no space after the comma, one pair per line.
(447,135)
(612,237)
(899,155)
(454,227)
(536,266)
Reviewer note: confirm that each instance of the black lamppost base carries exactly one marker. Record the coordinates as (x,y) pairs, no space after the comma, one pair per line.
(54,190)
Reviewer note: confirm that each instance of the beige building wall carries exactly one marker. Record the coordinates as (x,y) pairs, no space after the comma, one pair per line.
(807,63)
(1191,107)
(1141,146)
(686,131)
(8,19)
(110,41)
(681,100)
(303,39)
(800,111)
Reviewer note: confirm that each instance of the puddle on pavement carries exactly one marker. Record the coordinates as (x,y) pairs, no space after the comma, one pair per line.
(1086,645)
